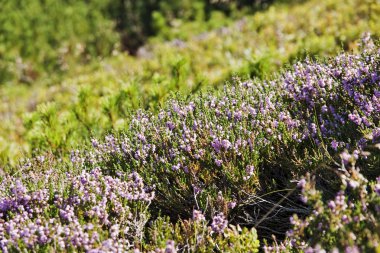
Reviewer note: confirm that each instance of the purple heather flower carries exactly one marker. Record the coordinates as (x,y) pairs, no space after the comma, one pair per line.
(219,223)
(249,170)
(170,125)
(231,205)
(94,143)
(309,250)
(170,247)
(176,167)
(313,128)
(197,189)
(353,184)
(226,144)
(340,200)
(238,115)
(319,249)
(352,249)
(303,199)
(334,145)
(218,162)
(331,205)
(354,117)
(290,233)
(356,153)
(377,187)
(345,219)
(198,215)
(376,134)
(346,157)
(301,184)
(216,145)
(247,84)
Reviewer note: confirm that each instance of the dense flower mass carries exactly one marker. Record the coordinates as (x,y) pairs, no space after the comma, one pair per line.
(92,212)
(226,141)
(235,157)
(219,223)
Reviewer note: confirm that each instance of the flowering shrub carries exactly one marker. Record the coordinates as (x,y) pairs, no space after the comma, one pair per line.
(96,99)
(338,101)
(87,212)
(350,222)
(221,152)
(233,155)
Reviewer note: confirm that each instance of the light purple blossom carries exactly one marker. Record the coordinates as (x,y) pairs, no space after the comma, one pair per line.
(334,145)
(198,215)
(218,162)
(231,205)
(301,184)
(170,247)
(219,223)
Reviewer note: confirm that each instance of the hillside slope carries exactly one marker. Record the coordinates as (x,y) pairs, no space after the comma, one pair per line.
(97,99)
(297,157)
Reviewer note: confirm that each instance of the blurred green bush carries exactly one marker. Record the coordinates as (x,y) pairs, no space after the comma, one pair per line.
(45,36)
(38,36)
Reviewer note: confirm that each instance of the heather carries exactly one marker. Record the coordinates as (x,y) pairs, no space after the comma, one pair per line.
(348,221)
(287,164)
(92,92)
(85,212)
(190,126)
(225,142)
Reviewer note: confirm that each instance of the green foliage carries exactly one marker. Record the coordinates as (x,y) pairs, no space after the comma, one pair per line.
(195,236)
(38,37)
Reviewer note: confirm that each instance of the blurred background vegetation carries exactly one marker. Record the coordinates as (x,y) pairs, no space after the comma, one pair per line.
(42,36)
(71,69)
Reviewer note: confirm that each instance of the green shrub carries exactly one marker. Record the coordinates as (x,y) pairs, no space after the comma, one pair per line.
(40,37)
(47,37)
(196,236)
(347,223)
(224,152)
